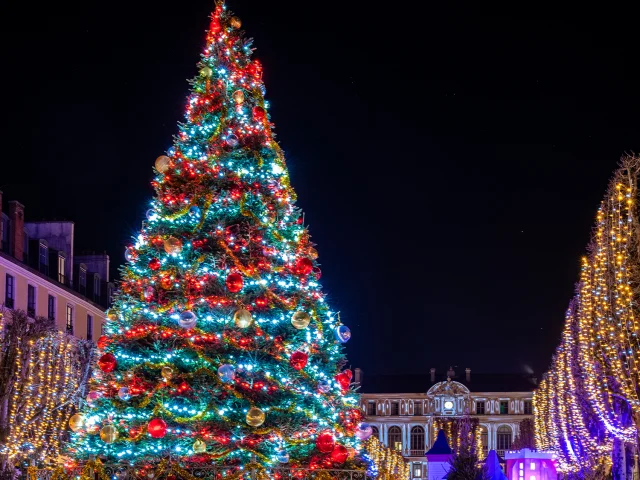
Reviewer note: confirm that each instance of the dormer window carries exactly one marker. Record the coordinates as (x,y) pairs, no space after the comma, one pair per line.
(43,257)
(62,261)
(82,280)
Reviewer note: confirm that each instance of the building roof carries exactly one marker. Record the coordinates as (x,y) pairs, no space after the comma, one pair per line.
(420,383)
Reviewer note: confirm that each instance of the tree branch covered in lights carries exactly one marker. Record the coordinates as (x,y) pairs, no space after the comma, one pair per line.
(221,347)
(588,402)
(42,372)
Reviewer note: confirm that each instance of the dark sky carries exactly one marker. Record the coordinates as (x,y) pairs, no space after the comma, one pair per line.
(449,159)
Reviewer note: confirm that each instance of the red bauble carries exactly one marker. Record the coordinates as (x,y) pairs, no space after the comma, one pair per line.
(325,442)
(344,379)
(304,266)
(107,362)
(261,302)
(157,428)
(298,360)
(259,113)
(234,282)
(154,264)
(103,341)
(317,271)
(339,454)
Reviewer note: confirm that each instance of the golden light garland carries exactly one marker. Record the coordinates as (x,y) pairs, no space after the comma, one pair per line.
(389,463)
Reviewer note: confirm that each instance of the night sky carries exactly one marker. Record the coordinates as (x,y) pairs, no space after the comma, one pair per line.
(449,160)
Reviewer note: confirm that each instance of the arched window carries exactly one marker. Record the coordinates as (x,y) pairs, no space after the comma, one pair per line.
(417,440)
(395,438)
(503,439)
(484,438)
(375,432)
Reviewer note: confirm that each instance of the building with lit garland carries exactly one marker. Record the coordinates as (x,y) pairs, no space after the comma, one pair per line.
(40,274)
(406,411)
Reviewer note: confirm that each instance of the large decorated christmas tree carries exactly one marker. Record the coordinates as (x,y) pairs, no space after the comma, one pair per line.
(220,348)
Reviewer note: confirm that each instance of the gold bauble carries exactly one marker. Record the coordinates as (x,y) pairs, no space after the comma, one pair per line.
(255,417)
(172,245)
(206,72)
(242,318)
(163,163)
(199,446)
(112,315)
(108,434)
(235,22)
(313,253)
(166,372)
(238,96)
(76,422)
(300,320)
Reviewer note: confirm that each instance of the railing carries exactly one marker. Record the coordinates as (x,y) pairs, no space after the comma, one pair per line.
(211,472)
(416,453)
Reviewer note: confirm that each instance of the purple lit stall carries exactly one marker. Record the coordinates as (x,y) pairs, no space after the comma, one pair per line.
(528,464)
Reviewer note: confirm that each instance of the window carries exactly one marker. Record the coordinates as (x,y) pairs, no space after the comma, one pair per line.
(89,327)
(504,407)
(61,272)
(10,291)
(375,432)
(31,301)
(417,440)
(484,438)
(51,308)
(371,408)
(503,439)
(70,319)
(528,407)
(43,258)
(417,408)
(532,466)
(4,245)
(395,408)
(96,288)
(417,470)
(395,438)
(480,407)
(82,280)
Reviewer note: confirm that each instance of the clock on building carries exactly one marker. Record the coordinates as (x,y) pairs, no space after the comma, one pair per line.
(448,405)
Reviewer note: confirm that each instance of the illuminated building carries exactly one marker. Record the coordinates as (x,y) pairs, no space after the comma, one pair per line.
(40,274)
(405,411)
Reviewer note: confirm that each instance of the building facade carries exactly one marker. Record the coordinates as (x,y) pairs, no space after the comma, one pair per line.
(409,421)
(40,274)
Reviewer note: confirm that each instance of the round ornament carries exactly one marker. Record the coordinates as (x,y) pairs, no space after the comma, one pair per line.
(227,373)
(325,442)
(235,22)
(124,394)
(163,163)
(206,72)
(92,397)
(298,360)
(339,454)
(166,283)
(300,320)
(282,456)
(187,320)
(194,211)
(76,422)
(166,372)
(103,341)
(154,264)
(148,293)
(199,446)
(344,379)
(107,362)
(242,318)
(234,282)
(232,140)
(313,253)
(343,334)
(150,214)
(238,97)
(364,431)
(173,245)
(259,113)
(108,434)
(112,315)
(255,417)
(157,428)
(324,386)
(304,266)
(129,254)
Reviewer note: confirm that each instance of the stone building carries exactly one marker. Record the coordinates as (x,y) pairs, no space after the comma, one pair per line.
(405,409)
(40,274)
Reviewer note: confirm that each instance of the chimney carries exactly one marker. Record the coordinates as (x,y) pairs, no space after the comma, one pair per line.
(451,372)
(1,223)
(468,372)
(16,215)
(433,375)
(357,375)
(534,380)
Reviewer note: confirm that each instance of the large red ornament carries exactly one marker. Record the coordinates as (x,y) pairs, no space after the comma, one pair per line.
(298,360)
(234,282)
(157,428)
(259,113)
(103,341)
(344,379)
(325,442)
(154,264)
(339,454)
(304,266)
(107,362)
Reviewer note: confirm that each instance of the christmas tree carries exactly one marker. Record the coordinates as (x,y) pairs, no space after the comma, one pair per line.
(220,347)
